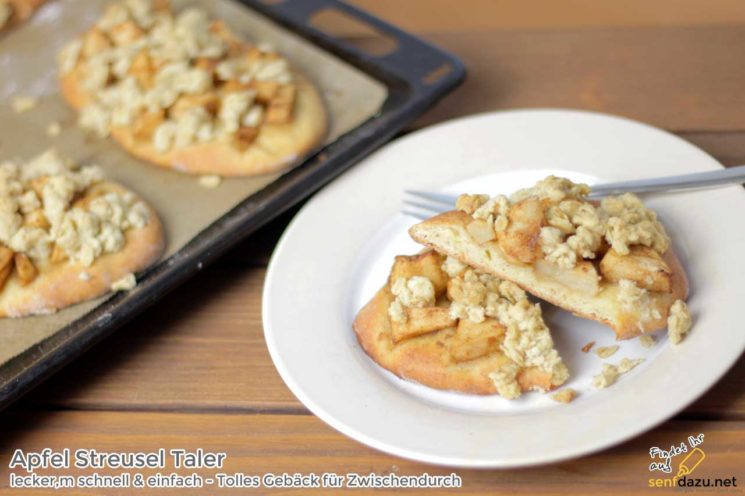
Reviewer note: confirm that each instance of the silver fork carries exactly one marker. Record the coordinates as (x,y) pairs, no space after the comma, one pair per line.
(425,204)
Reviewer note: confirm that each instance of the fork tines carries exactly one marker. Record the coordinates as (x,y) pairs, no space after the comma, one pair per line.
(425,204)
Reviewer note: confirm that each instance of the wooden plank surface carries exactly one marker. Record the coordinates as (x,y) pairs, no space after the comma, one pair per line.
(202,349)
(427,16)
(194,370)
(681,79)
(258,444)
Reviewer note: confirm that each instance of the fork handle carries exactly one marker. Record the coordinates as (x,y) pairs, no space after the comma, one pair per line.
(683,181)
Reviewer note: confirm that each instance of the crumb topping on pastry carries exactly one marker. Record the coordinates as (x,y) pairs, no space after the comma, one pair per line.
(176,79)
(414,292)
(50,212)
(636,300)
(678,322)
(488,314)
(476,296)
(505,380)
(567,226)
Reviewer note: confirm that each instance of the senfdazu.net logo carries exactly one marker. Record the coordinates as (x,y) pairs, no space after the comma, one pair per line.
(677,464)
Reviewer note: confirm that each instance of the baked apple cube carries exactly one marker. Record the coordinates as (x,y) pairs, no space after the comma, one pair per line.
(642,265)
(421,321)
(474,340)
(427,264)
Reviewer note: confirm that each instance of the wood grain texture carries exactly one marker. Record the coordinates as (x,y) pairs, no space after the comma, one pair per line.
(202,349)
(681,79)
(257,444)
(426,16)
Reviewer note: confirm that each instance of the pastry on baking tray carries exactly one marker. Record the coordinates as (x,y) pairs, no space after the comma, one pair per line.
(608,260)
(68,235)
(448,326)
(181,91)
(13,12)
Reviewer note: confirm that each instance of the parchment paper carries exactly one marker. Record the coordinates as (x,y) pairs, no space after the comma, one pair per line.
(28,67)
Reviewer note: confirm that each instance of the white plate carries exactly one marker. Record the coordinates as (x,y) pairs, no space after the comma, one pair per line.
(338,250)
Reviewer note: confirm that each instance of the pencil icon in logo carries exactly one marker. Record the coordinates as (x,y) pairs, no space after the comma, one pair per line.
(690,462)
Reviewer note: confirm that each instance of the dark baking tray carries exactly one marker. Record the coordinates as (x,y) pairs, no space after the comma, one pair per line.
(416,74)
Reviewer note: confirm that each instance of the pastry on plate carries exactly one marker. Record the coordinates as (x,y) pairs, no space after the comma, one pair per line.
(609,260)
(67,235)
(182,91)
(448,326)
(14,12)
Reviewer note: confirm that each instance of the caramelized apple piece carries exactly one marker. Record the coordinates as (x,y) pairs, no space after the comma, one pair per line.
(145,124)
(421,321)
(280,107)
(474,340)
(642,265)
(6,264)
(58,254)
(520,240)
(25,268)
(481,231)
(143,69)
(427,264)
(583,277)
(245,136)
(210,103)
(36,219)
(265,90)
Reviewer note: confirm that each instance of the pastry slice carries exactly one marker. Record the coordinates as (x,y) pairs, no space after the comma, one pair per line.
(609,261)
(448,326)
(182,91)
(67,235)
(14,12)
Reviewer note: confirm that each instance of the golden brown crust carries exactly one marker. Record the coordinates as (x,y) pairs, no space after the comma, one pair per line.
(624,325)
(426,359)
(275,147)
(59,285)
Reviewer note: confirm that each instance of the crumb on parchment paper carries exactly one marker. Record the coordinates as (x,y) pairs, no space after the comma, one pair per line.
(54,129)
(22,103)
(210,181)
(125,283)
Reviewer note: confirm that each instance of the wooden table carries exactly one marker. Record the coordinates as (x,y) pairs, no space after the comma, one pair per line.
(194,370)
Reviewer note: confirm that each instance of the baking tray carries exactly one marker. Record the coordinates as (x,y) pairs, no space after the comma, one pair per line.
(414,75)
